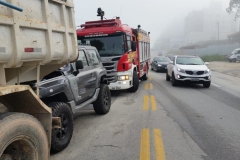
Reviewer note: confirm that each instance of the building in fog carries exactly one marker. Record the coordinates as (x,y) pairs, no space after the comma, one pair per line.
(212,23)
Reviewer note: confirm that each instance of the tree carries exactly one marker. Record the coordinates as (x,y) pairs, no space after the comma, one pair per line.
(234,6)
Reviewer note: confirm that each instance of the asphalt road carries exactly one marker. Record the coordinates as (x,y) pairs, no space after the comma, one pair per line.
(160,122)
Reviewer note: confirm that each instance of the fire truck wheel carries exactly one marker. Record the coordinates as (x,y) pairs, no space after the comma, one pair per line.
(145,76)
(135,81)
(22,137)
(61,137)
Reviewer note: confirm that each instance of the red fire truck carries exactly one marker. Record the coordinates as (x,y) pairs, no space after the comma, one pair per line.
(124,51)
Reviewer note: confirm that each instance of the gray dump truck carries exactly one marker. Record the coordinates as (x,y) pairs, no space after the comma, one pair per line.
(33,43)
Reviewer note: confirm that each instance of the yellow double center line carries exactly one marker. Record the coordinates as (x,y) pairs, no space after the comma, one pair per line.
(145,145)
(146,103)
(148,86)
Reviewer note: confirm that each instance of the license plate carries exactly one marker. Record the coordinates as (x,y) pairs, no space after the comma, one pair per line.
(194,79)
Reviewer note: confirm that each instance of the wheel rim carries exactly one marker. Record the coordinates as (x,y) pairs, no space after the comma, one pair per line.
(106,99)
(21,147)
(61,132)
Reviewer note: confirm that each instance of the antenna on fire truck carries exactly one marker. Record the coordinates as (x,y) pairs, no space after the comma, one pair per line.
(100,13)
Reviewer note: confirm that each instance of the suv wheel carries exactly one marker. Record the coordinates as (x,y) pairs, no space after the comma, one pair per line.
(61,137)
(167,76)
(174,81)
(234,60)
(206,84)
(134,88)
(103,103)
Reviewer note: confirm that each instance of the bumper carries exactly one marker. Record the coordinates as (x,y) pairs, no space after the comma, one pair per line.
(124,84)
(194,78)
(162,68)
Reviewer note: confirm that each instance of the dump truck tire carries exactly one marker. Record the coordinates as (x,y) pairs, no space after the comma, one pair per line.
(61,137)
(22,137)
(103,103)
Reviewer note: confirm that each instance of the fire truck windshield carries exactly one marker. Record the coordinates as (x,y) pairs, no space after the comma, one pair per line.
(107,45)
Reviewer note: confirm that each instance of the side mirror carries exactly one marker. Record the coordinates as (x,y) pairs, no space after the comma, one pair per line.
(171,62)
(79,64)
(133,46)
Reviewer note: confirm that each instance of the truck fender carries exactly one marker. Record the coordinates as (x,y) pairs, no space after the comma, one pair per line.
(134,67)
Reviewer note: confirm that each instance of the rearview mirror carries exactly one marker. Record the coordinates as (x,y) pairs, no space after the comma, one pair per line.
(79,65)
(133,46)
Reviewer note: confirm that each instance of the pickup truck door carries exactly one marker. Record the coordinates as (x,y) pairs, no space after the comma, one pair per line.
(94,61)
(82,79)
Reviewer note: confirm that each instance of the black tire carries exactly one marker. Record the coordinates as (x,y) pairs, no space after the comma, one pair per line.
(167,76)
(174,81)
(103,103)
(61,137)
(22,137)
(145,76)
(234,60)
(206,84)
(135,86)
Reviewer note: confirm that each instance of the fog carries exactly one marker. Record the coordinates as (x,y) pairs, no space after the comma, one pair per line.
(163,18)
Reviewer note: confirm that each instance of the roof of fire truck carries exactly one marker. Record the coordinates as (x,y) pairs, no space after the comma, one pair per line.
(109,26)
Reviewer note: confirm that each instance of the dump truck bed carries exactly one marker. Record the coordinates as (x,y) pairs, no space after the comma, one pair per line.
(42,35)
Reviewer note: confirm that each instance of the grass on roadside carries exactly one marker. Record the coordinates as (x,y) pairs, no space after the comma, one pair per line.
(215,57)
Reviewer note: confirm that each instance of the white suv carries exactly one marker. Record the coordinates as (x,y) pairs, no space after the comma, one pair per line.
(188,68)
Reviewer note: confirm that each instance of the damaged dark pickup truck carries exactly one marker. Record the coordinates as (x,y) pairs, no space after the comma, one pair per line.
(73,87)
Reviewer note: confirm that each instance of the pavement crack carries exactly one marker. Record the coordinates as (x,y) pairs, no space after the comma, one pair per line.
(107,146)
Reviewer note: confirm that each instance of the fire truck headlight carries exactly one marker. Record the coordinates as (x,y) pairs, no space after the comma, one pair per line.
(122,78)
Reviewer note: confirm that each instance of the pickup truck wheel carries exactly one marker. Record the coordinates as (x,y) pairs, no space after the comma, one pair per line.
(61,137)
(22,137)
(174,81)
(103,103)
(135,86)
(206,84)
(167,76)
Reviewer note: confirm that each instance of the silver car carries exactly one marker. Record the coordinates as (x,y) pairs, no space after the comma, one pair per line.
(190,69)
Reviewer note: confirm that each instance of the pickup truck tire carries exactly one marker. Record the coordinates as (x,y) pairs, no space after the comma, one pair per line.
(135,86)
(103,103)
(61,137)
(22,137)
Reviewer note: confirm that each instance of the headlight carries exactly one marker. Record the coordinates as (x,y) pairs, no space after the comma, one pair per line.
(207,71)
(159,65)
(180,70)
(122,78)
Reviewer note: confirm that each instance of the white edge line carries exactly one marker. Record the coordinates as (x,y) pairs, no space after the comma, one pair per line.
(215,85)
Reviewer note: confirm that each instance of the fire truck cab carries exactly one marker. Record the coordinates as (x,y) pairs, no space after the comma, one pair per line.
(124,51)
